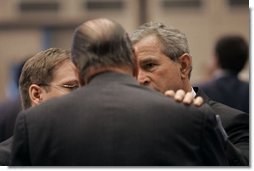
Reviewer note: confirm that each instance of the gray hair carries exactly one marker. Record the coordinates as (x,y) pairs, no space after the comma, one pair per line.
(173,42)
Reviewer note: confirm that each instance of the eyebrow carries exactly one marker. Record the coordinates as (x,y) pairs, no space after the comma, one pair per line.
(146,60)
(71,82)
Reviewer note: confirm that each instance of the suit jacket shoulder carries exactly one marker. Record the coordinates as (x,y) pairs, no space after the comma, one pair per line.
(5,152)
(235,123)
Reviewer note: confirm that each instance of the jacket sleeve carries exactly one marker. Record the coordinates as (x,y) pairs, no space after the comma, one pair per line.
(213,141)
(236,124)
(20,150)
(238,131)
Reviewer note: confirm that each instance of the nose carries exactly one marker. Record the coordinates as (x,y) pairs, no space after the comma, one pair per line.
(143,79)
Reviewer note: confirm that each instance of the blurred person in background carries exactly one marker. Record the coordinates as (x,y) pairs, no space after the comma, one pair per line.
(165,63)
(46,75)
(230,56)
(10,108)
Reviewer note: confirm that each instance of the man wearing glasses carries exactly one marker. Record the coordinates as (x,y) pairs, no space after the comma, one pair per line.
(46,75)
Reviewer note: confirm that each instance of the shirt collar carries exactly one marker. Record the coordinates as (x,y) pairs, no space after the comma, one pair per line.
(193,92)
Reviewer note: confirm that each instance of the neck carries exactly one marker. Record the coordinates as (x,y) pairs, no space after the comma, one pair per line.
(93,71)
(187,86)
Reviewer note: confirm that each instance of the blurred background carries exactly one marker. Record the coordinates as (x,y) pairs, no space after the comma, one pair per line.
(29,26)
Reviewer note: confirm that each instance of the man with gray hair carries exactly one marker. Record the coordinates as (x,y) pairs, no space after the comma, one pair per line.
(112,120)
(165,63)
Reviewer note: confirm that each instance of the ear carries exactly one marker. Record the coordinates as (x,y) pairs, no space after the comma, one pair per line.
(35,94)
(185,62)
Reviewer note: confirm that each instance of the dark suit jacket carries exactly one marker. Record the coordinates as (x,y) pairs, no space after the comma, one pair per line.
(228,90)
(236,125)
(8,113)
(113,121)
(5,152)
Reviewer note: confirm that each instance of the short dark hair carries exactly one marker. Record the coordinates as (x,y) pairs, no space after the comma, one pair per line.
(232,52)
(101,43)
(39,69)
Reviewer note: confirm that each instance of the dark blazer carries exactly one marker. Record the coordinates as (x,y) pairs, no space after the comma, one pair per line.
(113,121)
(8,113)
(5,152)
(236,125)
(229,90)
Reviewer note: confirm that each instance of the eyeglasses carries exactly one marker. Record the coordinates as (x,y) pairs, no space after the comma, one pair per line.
(69,87)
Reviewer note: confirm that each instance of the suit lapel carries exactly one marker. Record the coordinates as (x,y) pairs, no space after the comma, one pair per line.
(201,93)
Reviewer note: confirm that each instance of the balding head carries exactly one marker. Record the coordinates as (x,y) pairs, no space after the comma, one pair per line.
(99,29)
(101,43)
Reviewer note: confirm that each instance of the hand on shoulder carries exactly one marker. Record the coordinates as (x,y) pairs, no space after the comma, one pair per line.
(185,98)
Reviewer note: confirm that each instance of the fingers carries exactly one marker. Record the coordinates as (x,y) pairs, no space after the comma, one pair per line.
(188,98)
(198,101)
(170,93)
(179,96)
(185,98)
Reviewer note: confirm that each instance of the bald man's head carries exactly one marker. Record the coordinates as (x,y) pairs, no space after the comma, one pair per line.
(100,29)
(101,43)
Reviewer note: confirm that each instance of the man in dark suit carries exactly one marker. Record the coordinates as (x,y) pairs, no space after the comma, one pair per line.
(10,108)
(165,63)
(58,76)
(230,56)
(112,120)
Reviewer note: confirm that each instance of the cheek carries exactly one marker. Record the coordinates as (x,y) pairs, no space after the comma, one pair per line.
(170,79)
(49,96)
(60,93)
(64,93)
(160,80)
(162,77)
(164,74)
(53,94)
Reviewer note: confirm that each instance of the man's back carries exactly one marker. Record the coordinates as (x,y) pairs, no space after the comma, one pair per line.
(113,121)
